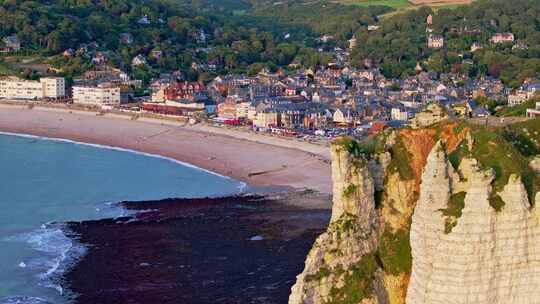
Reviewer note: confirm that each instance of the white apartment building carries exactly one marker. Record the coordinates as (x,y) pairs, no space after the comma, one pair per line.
(399,114)
(534,112)
(97,96)
(53,87)
(46,87)
(242,109)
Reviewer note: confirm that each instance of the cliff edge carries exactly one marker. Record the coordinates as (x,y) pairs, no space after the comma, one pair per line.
(342,258)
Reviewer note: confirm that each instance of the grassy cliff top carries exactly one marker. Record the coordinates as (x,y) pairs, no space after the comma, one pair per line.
(507,150)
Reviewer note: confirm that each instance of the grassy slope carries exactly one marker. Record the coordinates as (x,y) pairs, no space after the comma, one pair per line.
(507,151)
(6,69)
(519,110)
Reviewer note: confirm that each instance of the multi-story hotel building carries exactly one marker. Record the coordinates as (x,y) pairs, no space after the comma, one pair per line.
(53,87)
(97,96)
(46,87)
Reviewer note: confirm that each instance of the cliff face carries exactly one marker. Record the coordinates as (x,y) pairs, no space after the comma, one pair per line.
(488,256)
(438,214)
(341,259)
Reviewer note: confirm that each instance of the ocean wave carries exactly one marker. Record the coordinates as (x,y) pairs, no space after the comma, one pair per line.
(241,187)
(23,300)
(59,252)
(113,210)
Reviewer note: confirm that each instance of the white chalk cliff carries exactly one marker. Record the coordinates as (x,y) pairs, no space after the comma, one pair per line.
(349,237)
(489,256)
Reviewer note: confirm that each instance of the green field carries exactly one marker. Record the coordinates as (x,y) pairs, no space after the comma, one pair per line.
(403,5)
(5,69)
(397,4)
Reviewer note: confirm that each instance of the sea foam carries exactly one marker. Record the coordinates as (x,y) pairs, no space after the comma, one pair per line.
(23,300)
(58,253)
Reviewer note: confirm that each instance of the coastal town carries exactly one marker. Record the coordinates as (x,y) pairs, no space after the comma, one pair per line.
(322,102)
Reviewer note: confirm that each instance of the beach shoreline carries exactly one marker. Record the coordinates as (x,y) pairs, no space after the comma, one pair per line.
(259,161)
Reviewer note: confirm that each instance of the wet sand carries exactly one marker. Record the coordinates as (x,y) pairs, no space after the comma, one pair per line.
(260,161)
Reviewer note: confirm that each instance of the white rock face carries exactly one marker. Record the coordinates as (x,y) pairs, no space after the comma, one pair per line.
(488,257)
(349,237)
(535,164)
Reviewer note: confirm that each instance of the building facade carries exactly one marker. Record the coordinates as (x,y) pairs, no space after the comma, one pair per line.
(516,98)
(502,37)
(46,87)
(266,119)
(534,112)
(11,44)
(53,87)
(97,96)
(435,41)
(399,114)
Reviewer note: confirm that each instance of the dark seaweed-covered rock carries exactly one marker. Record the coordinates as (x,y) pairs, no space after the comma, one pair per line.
(244,249)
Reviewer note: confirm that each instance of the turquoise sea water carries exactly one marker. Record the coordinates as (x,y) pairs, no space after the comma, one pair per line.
(46,181)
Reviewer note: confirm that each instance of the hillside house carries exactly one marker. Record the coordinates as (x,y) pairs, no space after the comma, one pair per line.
(475,47)
(99,59)
(531,88)
(517,97)
(464,108)
(435,41)
(11,44)
(520,45)
(68,53)
(377,128)
(139,60)
(502,38)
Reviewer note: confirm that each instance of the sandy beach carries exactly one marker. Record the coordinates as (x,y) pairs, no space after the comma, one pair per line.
(260,161)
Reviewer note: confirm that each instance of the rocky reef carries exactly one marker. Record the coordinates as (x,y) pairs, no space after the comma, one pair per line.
(241,249)
(438,213)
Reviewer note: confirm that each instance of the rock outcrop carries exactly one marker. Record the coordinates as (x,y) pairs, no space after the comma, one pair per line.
(433,113)
(342,258)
